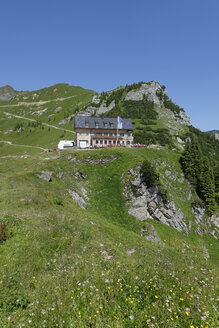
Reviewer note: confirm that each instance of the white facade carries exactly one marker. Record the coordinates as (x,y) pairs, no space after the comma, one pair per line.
(103,138)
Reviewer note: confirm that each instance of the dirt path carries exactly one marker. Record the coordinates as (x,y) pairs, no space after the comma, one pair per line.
(41,102)
(12,144)
(33,120)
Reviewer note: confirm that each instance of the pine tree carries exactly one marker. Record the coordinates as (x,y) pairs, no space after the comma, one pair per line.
(191,160)
(206,185)
(216,173)
(198,171)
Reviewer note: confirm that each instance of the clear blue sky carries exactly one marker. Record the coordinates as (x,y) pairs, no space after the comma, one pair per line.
(101,44)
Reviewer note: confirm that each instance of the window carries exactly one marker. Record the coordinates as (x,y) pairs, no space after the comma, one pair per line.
(105,125)
(96,125)
(118,142)
(101,141)
(114,142)
(106,134)
(110,142)
(110,134)
(111,125)
(96,141)
(128,142)
(122,134)
(86,124)
(105,141)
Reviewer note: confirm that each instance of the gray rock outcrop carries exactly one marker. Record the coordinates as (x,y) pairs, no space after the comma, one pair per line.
(149,89)
(104,109)
(45,175)
(148,203)
(214,219)
(77,199)
(198,213)
(96,100)
(180,118)
(7,93)
(149,233)
(67,120)
(58,109)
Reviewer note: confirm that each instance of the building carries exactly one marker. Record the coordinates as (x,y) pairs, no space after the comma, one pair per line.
(65,144)
(103,132)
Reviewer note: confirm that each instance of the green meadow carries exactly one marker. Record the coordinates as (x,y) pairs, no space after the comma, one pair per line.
(64,266)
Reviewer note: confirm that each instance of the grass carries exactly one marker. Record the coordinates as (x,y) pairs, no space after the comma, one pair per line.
(62,266)
(68,267)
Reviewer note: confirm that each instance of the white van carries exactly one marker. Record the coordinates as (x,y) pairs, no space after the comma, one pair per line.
(66,144)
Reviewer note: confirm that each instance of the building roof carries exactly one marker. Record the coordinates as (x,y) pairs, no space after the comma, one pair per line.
(66,142)
(101,123)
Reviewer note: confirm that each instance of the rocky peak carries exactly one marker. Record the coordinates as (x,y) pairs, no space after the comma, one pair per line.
(149,89)
(7,93)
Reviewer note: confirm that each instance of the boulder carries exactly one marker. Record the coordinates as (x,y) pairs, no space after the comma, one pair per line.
(214,219)
(45,175)
(58,109)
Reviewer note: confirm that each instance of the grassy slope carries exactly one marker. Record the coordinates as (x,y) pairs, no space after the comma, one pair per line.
(65,266)
(69,267)
(41,106)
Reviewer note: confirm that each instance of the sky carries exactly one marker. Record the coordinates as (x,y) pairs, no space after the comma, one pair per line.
(102,44)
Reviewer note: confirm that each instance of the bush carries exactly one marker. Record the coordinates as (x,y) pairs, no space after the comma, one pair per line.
(149,173)
(140,109)
(145,138)
(3,232)
(147,122)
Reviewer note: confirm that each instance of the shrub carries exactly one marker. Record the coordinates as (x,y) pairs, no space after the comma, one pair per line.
(3,232)
(149,173)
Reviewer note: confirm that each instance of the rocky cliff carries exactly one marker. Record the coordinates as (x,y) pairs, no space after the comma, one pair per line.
(149,203)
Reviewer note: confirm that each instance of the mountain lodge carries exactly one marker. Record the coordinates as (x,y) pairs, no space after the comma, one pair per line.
(103,132)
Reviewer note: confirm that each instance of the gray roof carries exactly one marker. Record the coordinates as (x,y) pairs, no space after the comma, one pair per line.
(101,123)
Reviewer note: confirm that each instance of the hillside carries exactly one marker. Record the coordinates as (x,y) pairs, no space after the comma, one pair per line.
(41,118)
(108,237)
(214,133)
